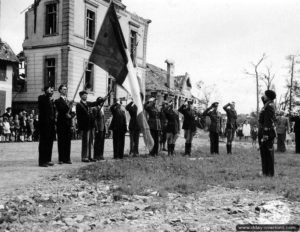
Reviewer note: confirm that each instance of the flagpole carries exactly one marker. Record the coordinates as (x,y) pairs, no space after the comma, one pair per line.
(86,65)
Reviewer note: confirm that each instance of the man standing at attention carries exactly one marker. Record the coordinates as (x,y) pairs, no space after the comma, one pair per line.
(282,127)
(189,124)
(215,126)
(231,125)
(85,125)
(63,126)
(47,127)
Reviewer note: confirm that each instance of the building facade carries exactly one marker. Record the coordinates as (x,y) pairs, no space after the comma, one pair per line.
(8,66)
(59,37)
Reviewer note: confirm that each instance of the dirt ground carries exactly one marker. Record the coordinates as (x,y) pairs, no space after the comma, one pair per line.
(52,200)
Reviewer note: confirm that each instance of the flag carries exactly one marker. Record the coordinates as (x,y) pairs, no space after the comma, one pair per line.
(111,54)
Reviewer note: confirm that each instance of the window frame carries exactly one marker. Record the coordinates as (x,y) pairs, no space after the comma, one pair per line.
(45,79)
(47,4)
(92,72)
(90,41)
(3,68)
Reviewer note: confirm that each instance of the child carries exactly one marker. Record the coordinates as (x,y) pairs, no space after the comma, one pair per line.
(254,133)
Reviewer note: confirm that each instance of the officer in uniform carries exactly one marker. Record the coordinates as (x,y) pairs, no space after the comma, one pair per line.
(46,126)
(266,133)
(215,126)
(231,125)
(172,127)
(154,123)
(189,124)
(163,123)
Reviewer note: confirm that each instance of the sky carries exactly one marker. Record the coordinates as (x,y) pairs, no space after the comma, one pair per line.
(212,40)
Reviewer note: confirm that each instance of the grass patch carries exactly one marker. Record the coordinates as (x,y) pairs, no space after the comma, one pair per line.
(179,174)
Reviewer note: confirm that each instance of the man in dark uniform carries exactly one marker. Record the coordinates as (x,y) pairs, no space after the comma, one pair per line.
(296,129)
(173,126)
(119,128)
(189,124)
(266,133)
(163,123)
(134,129)
(85,125)
(154,123)
(231,125)
(215,126)
(47,127)
(63,126)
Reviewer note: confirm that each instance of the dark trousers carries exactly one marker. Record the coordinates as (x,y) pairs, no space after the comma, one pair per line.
(155,136)
(87,138)
(99,145)
(47,135)
(64,142)
(297,142)
(267,157)
(214,142)
(230,135)
(134,141)
(118,144)
(281,142)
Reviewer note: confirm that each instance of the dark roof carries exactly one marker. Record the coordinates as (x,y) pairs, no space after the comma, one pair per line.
(6,53)
(156,78)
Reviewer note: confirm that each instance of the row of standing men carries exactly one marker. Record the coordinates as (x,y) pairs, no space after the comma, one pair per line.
(171,127)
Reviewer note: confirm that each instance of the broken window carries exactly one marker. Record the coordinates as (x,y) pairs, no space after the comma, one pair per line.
(51,19)
(50,72)
(89,77)
(2,71)
(133,46)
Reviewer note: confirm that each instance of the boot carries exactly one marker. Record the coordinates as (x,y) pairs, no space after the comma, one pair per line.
(173,148)
(228,148)
(189,149)
(186,149)
(169,149)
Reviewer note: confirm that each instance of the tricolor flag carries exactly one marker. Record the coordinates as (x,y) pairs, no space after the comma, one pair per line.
(111,54)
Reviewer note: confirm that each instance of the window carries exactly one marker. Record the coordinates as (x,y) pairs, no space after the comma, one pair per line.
(50,72)
(2,71)
(133,46)
(51,19)
(90,25)
(89,77)
(111,87)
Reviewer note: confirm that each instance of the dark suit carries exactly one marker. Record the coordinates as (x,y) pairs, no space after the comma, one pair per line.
(296,128)
(47,128)
(134,129)
(172,128)
(119,128)
(231,126)
(63,129)
(85,125)
(99,132)
(154,125)
(266,136)
(214,129)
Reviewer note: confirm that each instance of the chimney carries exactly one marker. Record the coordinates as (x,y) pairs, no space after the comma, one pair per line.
(170,73)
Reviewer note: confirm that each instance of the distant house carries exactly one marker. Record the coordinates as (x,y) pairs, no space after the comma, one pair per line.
(164,85)
(8,62)
(59,37)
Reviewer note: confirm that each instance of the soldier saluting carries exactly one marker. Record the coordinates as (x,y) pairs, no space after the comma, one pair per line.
(266,133)
(230,125)
(189,124)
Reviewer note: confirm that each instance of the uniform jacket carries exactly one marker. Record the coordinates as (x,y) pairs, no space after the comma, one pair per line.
(231,118)
(118,122)
(296,119)
(282,125)
(62,108)
(46,111)
(153,117)
(267,120)
(190,115)
(215,118)
(99,118)
(132,110)
(173,125)
(84,116)
(163,118)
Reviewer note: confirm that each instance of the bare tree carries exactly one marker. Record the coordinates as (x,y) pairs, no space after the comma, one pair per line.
(257,76)
(268,77)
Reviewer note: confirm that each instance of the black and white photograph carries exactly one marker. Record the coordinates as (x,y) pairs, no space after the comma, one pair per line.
(149,115)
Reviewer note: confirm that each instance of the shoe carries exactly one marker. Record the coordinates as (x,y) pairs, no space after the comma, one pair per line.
(85,160)
(60,162)
(43,165)
(92,160)
(68,162)
(50,164)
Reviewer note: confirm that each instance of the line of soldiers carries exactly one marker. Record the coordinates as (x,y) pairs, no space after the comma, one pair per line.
(170,126)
